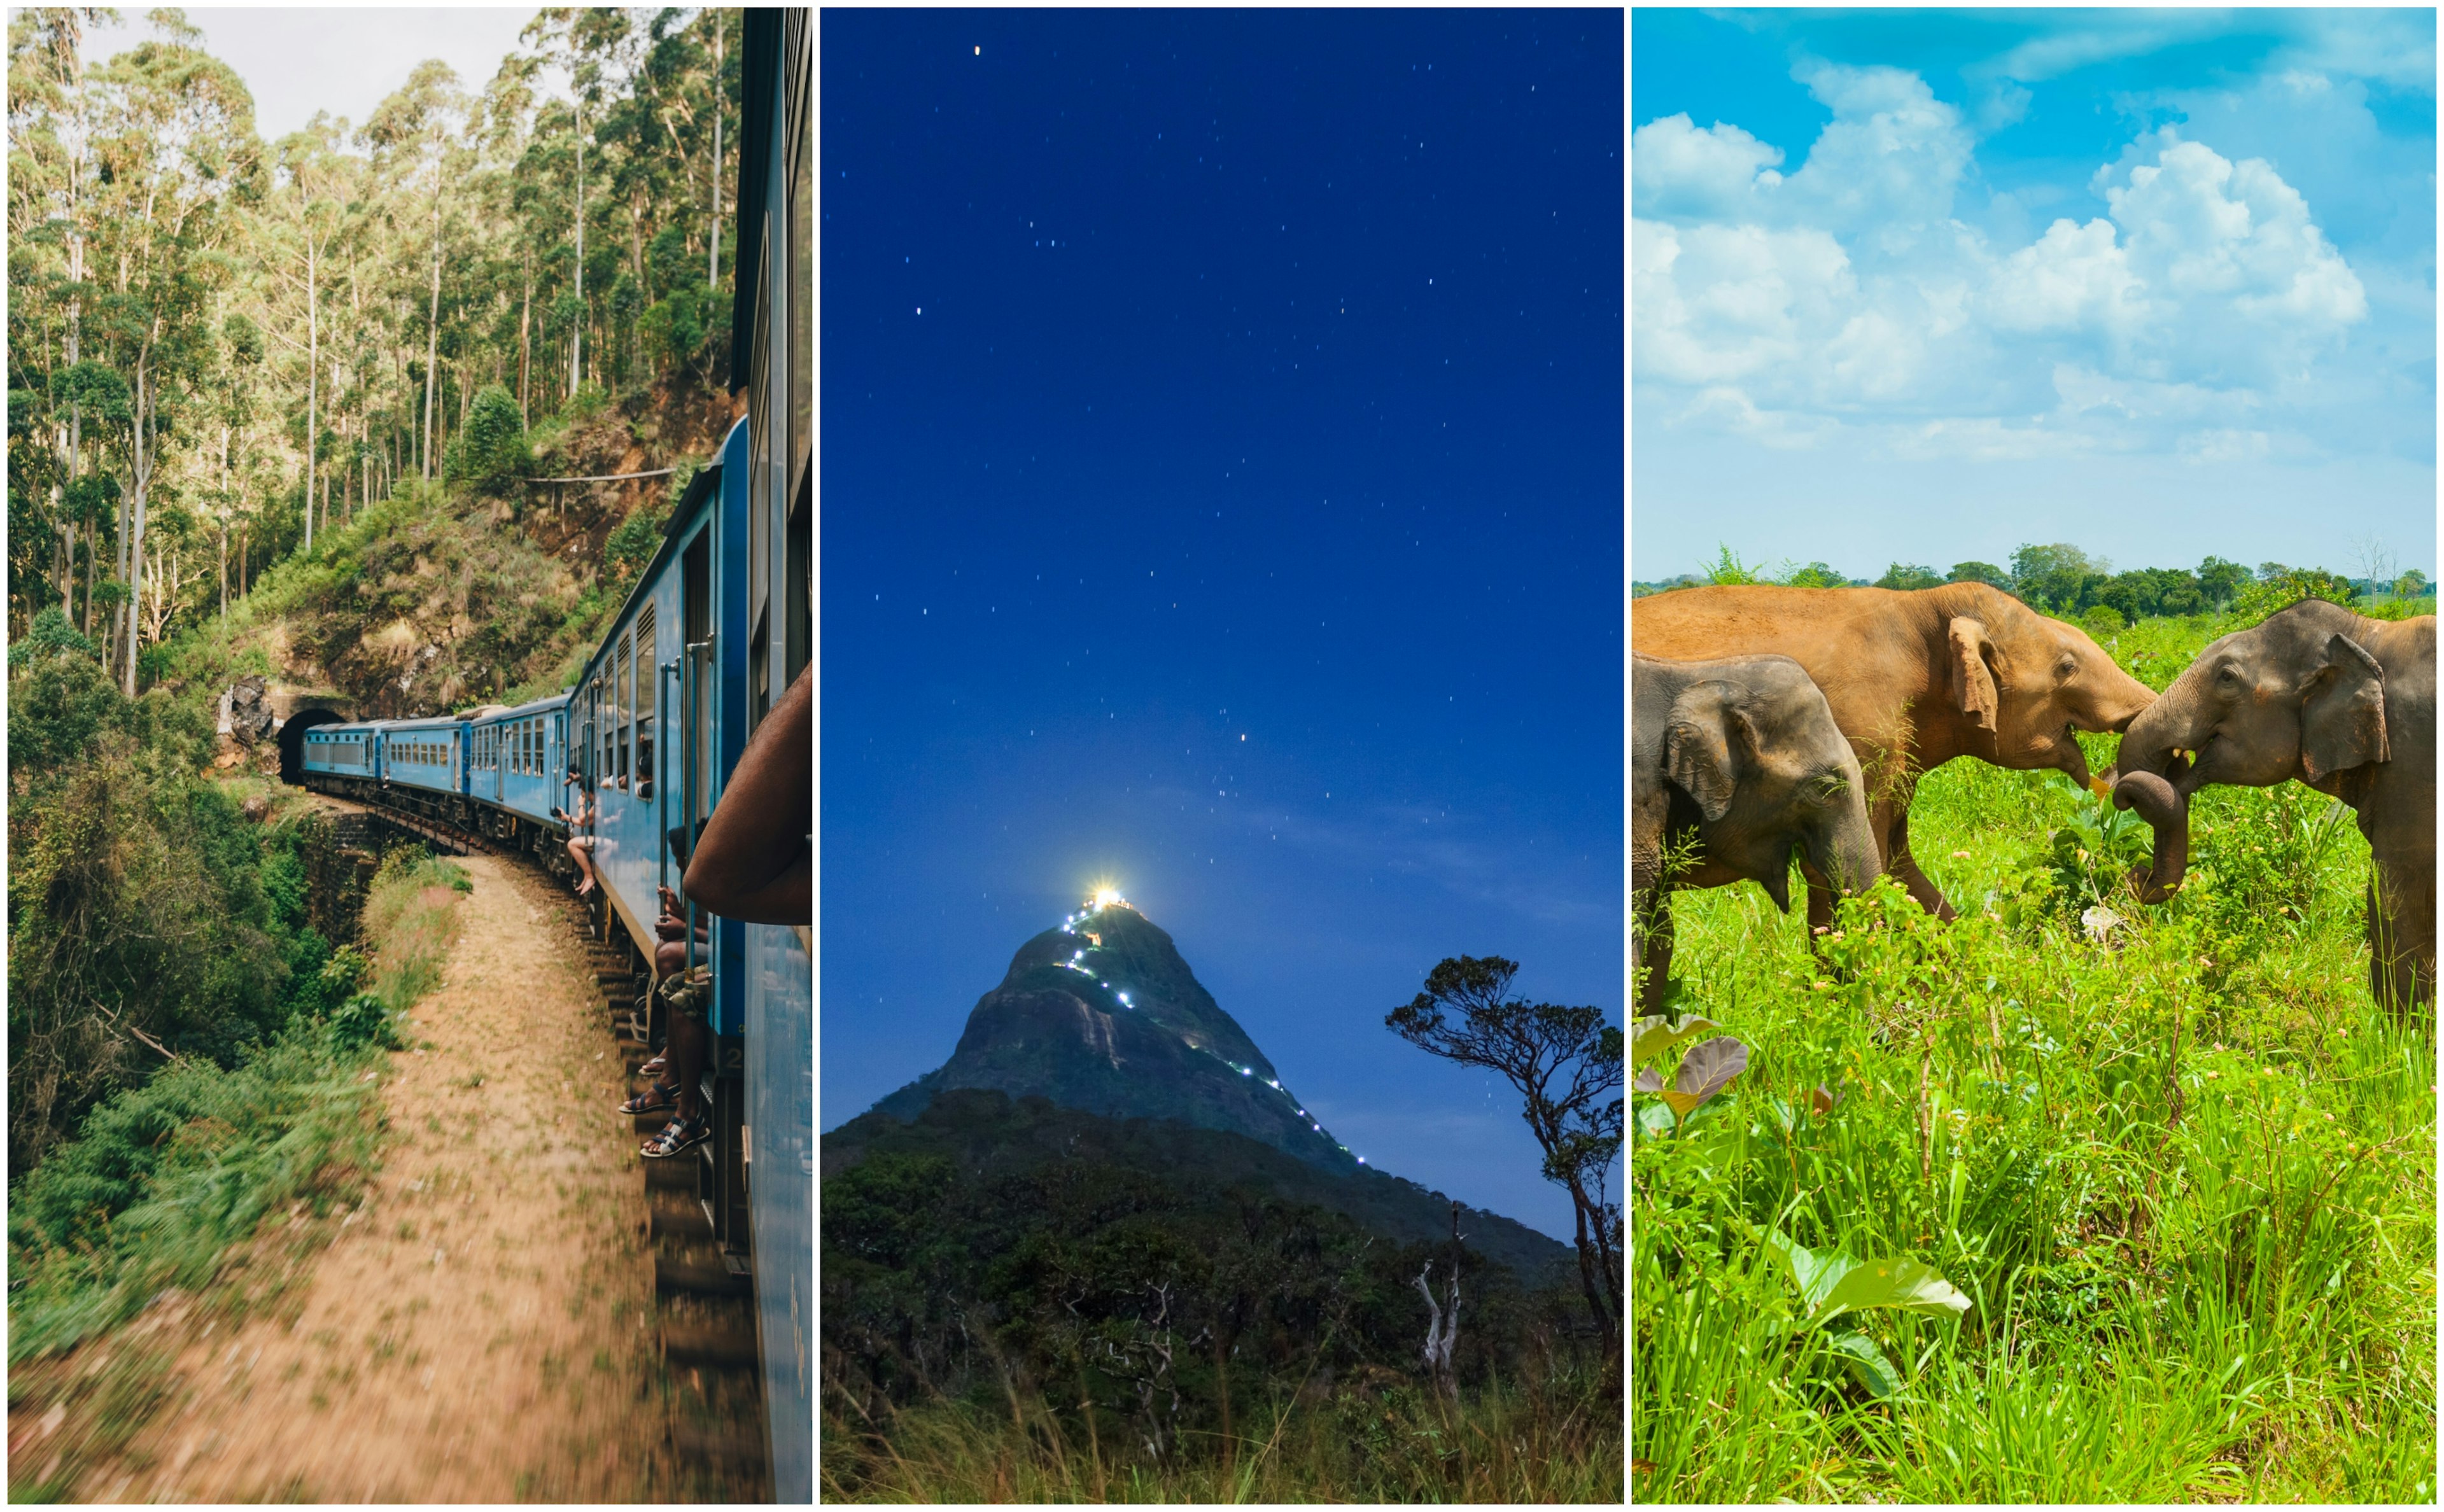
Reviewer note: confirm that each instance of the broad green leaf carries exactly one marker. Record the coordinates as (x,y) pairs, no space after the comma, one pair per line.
(1705,1070)
(1907,1284)
(1655,1118)
(1867,1363)
(1814,1275)
(1653,1035)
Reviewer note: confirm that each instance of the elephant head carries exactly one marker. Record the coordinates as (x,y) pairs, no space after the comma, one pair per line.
(2024,683)
(1758,756)
(2295,697)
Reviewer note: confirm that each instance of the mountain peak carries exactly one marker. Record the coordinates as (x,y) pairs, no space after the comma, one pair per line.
(1102,1013)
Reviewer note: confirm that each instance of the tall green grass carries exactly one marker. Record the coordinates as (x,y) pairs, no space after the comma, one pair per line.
(165,1181)
(1509,1441)
(2179,1162)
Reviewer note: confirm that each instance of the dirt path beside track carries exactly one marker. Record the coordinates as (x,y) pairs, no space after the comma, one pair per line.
(482,1328)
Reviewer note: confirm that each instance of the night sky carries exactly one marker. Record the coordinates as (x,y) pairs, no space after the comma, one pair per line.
(1222,496)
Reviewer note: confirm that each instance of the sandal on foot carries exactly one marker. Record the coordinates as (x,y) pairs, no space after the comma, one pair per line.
(678,1136)
(653,1068)
(662,1096)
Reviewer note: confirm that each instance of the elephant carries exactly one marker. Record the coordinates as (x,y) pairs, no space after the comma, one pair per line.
(1915,678)
(1742,756)
(2345,705)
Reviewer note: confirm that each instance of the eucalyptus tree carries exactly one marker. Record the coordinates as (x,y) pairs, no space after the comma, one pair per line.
(240,359)
(174,135)
(51,166)
(411,133)
(305,216)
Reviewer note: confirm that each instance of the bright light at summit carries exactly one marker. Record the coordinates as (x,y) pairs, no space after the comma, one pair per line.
(1104,896)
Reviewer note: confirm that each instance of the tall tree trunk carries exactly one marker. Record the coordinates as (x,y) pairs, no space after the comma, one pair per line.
(313,379)
(225,448)
(577,334)
(433,326)
(141,452)
(526,341)
(712,249)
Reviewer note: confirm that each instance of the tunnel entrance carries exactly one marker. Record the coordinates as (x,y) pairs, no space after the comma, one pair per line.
(292,739)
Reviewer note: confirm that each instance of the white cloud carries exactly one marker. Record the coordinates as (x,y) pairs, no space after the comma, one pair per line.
(1888,163)
(1709,174)
(1848,288)
(1714,304)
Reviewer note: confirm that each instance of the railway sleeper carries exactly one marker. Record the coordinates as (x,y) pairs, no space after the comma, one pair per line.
(721,1346)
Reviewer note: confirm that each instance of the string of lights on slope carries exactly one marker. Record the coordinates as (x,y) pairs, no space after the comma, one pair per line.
(1108,897)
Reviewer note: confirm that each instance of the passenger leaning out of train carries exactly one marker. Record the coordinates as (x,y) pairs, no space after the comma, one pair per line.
(581,847)
(753,862)
(756,861)
(677,1071)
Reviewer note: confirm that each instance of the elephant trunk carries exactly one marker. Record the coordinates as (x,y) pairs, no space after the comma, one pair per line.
(2167,810)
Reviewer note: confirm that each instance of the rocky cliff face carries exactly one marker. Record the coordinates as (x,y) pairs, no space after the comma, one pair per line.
(1101,1014)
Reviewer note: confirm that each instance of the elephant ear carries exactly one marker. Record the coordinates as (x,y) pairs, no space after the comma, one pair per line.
(1973,678)
(2342,719)
(1702,746)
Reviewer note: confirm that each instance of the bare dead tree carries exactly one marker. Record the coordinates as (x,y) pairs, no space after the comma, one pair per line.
(1442,1328)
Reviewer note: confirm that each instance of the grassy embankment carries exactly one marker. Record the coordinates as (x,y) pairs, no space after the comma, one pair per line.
(2180,1164)
(205,1188)
(1507,1442)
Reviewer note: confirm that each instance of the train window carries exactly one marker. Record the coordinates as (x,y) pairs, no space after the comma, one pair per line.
(648,694)
(798,564)
(620,694)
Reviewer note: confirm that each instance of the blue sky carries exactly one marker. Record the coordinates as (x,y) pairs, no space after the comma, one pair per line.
(1222,494)
(1927,285)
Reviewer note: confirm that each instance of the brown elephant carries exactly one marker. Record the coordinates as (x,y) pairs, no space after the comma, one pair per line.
(2342,703)
(1738,760)
(1915,678)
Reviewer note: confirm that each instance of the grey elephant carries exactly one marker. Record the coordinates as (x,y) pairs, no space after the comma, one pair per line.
(1735,765)
(2342,703)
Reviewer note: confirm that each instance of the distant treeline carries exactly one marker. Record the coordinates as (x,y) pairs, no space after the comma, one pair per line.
(1154,1283)
(2064,580)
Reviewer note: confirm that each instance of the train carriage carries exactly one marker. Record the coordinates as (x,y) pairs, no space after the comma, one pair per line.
(520,761)
(718,625)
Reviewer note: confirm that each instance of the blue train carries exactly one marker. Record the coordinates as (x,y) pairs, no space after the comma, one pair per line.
(719,624)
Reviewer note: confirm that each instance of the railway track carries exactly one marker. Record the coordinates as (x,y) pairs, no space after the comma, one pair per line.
(703,1306)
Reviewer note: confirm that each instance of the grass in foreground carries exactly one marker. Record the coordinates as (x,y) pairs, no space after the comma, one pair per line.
(1505,1442)
(183,1189)
(2178,1160)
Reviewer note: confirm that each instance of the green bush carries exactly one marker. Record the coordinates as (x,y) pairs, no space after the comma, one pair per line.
(492,446)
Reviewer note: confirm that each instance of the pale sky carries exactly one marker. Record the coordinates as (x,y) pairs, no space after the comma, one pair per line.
(342,59)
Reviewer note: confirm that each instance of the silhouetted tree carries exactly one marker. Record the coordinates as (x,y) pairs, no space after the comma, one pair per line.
(1562,1060)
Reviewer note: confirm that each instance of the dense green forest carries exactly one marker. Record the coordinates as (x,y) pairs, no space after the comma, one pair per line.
(1029,1302)
(280,407)
(224,351)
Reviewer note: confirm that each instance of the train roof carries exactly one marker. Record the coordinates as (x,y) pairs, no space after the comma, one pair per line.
(532,707)
(428,722)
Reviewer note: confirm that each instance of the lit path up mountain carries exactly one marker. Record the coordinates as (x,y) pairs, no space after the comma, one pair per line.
(1100,1013)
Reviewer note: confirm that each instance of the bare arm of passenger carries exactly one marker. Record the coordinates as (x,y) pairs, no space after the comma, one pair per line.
(753,863)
